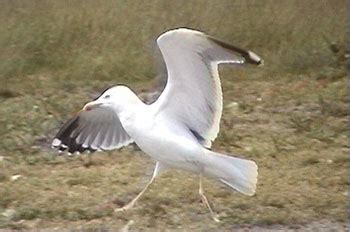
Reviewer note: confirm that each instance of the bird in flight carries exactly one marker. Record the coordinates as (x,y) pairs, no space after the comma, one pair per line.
(177,130)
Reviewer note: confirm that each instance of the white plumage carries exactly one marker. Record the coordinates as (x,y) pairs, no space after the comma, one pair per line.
(177,129)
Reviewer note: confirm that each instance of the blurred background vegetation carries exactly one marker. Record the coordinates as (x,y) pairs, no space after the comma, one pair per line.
(290,115)
(111,40)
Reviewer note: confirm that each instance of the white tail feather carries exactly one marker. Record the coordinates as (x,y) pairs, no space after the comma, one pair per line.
(239,174)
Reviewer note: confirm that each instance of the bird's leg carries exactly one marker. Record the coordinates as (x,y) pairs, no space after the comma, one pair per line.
(132,203)
(205,200)
(159,167)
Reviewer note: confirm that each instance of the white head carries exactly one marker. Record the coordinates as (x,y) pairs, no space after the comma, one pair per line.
(117,97)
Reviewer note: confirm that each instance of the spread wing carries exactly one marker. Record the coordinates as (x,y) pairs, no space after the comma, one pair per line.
(97,129)
(193,94)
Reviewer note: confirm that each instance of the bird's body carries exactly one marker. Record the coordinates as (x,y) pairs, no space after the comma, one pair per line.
(178,128)
(175,147)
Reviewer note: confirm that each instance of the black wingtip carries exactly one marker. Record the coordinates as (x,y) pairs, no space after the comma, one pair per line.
(64,141)
(71,146)
(260,62)
(249,56)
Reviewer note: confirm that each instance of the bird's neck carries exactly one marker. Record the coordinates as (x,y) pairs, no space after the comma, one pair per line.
(135,118)
(129,111)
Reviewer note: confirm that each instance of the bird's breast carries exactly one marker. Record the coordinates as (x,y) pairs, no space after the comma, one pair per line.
(166,142)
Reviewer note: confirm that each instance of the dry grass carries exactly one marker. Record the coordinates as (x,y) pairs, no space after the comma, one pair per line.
(291,116)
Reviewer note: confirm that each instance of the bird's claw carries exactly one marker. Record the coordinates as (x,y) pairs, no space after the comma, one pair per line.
(122,209)
(216,218)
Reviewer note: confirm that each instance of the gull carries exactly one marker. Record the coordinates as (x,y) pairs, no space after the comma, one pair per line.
(176,130)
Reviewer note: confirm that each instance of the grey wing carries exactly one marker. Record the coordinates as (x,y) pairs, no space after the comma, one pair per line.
(193,94)
(98,129)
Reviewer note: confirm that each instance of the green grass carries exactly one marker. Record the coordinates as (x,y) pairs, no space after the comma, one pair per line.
(290,116)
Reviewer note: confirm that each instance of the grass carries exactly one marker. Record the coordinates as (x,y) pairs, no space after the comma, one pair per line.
(290,116)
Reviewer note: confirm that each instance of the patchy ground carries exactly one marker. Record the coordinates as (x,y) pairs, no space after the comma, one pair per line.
(294,128)
(290,116)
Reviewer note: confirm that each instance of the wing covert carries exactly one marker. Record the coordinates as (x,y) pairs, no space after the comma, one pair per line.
(193,94)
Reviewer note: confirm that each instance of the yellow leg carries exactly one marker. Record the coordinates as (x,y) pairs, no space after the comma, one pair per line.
(205,200)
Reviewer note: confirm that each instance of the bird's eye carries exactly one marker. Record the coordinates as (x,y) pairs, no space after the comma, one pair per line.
(107,96)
